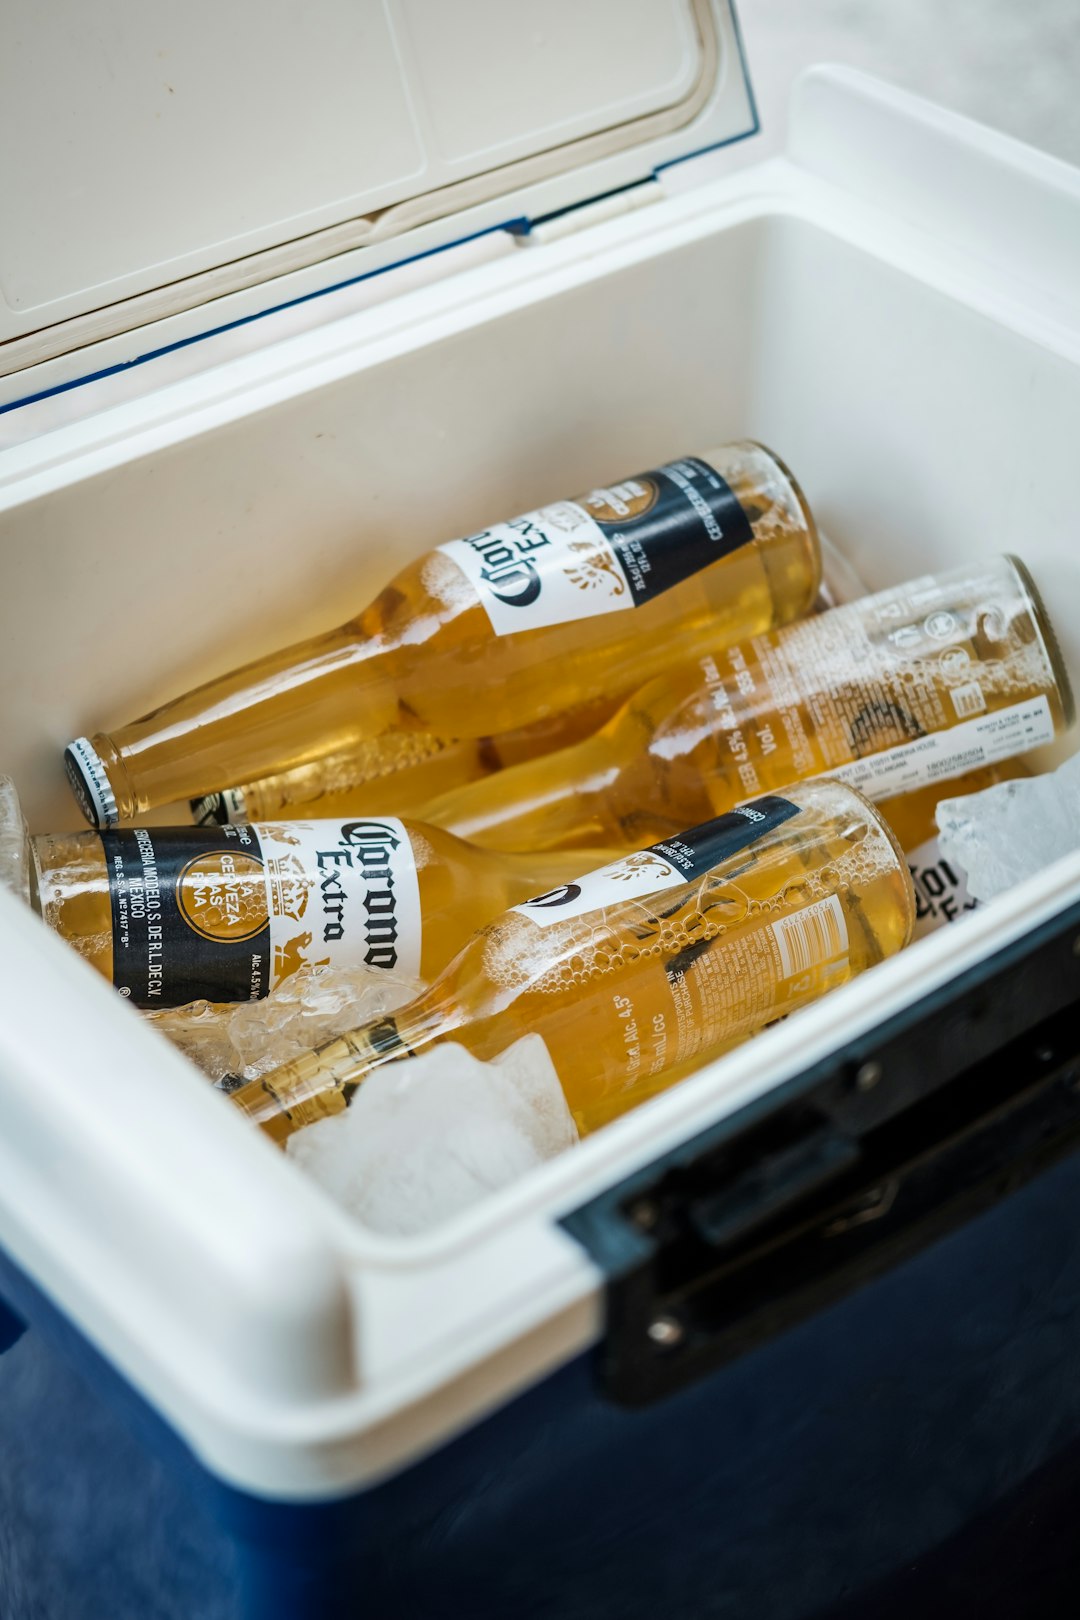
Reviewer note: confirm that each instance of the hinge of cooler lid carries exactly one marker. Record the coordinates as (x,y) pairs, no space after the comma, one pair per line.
(578,217)
(841,1172)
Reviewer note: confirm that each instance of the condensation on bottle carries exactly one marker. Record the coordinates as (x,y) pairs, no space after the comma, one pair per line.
(681,949)
(410,769)
(912,686)
(575,602)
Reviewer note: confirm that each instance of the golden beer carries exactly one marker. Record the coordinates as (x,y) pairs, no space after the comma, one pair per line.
(576,602)
(682,949)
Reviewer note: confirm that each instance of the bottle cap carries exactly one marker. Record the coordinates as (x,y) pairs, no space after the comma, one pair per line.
(90,783)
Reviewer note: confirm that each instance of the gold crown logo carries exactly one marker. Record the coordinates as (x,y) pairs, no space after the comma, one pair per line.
(291,886)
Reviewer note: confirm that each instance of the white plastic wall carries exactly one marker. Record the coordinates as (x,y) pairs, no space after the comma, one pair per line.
(924,434)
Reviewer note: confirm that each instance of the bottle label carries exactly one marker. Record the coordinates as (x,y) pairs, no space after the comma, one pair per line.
(225,913)
(612,549)
(941,891)
(814,934)
(906,688)
(718,992)
(661,866)
(963,747)
(758,976)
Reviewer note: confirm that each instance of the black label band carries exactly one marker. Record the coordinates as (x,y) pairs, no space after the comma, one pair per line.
(662,866)
(696,852)
(685,518)
(190,914)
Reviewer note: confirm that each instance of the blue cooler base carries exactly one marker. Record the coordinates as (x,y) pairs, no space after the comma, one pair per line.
(911,1450)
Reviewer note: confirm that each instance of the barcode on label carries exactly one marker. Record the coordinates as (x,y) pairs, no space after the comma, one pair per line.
(816,934)
(968,700)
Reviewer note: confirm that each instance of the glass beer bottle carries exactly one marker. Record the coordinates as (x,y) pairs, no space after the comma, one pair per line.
(492,632)
(177,914)
(405,770)
(911,686)
(687,947)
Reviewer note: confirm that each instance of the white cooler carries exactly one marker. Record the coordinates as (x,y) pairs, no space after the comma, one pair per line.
(287,295)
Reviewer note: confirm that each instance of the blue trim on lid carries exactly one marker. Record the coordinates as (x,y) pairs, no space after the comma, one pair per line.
(257,315)
(520,226)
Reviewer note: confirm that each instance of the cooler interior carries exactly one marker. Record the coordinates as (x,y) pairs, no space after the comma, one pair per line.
(156,545)
(924,433)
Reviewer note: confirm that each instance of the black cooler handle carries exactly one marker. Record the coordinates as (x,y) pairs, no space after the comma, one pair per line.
(842,1171)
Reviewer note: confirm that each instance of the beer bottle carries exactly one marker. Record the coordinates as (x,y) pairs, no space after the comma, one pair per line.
(178,914)
(491,632)
(686,947)
(913,685)
(405,770)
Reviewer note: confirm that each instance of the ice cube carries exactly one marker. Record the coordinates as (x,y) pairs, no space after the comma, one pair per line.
(14,842)
(427,1137)
(309,1007)
(1012,830)
(201,1031)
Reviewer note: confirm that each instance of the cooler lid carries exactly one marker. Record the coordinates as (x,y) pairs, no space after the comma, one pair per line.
(171,154)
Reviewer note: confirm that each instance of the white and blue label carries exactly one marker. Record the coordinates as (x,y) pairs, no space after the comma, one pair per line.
(662,866)
(608,551)
(941,890)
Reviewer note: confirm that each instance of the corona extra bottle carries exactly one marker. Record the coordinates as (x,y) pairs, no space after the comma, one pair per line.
(407,769)
(569,604)
(687,947)
(172,915)
(908,687)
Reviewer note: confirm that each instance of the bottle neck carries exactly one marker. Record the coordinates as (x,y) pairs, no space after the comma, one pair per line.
(323,1082)
(557,802)
(252,723)
(549,869)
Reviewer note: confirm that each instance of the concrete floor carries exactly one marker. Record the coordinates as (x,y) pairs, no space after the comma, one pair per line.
(1014,64)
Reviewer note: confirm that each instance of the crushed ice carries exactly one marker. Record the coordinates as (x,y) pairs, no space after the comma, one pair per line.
(1012,830)
(426,1138)
(14,842)
(311,1006)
